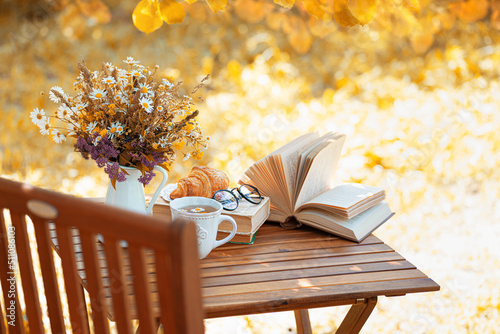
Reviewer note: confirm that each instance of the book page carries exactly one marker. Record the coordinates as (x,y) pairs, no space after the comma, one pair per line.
(275,174)
(307,137)
(345,195)
(308,153)
(306,158)
(321,171)
(289,162)
(356,228)
(262,175)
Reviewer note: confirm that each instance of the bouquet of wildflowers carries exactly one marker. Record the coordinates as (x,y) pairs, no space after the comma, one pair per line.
(123,117)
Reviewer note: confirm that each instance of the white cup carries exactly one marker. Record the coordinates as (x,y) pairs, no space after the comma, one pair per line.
(207,224)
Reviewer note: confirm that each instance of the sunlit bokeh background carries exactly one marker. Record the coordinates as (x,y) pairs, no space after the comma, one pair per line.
(416,90)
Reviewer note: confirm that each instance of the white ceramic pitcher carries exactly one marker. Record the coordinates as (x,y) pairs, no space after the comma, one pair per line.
(129,194)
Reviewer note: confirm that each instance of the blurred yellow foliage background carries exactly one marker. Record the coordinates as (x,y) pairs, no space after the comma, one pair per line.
(413,84)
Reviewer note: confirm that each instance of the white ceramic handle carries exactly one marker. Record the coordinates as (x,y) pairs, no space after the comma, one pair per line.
(160,187)
(231,235)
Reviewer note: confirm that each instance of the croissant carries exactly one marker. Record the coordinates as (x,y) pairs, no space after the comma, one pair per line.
(202,181)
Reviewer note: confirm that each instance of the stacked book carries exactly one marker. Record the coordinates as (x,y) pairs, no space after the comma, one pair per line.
(249,217)
(297,178)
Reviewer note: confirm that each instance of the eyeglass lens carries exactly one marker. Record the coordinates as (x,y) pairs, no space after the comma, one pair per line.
(250,193)
(227,199)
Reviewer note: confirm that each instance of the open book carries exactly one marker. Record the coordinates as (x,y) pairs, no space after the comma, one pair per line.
(298,179)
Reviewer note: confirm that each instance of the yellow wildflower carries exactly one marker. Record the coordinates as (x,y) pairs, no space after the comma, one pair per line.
(188,126)
(179,145)
(197,155)
(103,132)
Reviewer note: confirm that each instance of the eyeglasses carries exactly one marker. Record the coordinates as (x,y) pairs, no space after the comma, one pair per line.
(229,198)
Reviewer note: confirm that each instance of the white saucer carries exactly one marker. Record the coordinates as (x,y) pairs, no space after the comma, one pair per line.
(165,192)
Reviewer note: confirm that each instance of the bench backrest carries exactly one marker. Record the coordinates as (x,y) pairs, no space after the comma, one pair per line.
(128,287)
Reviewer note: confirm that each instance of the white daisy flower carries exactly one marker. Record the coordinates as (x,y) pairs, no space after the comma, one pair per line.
(63,112)
(81,106)
(97,140)
(137,73)
(109,65)
(37,116)
(71,129)
(115,128)
(53,96)
(44,127)
(167,83)
(109,80)
(90,127)
(131,61)
(57,136)
(97,94)
(159,108)
(122,75)
(144,89)
(163,141)
(119,129)
(147,104)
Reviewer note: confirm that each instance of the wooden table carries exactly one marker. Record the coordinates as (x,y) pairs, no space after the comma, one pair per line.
(295,270)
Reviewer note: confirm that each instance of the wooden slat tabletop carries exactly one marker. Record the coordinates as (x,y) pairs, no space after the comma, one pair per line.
(303,268)
(294,269)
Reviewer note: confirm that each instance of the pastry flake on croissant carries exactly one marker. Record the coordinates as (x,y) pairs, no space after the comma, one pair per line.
(202,181)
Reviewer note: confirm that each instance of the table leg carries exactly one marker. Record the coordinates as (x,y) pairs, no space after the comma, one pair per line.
(357,316)
(302,321)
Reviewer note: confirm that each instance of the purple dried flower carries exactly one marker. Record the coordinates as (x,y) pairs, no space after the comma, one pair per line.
(102,152)
(101,162)
(146,178)
(106,155)
(114,172)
